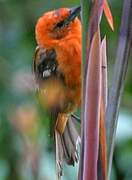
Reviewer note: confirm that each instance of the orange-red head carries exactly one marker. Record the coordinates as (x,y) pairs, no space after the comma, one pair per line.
(56,26)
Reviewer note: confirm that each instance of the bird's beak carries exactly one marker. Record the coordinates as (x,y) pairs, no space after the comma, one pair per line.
(74,12)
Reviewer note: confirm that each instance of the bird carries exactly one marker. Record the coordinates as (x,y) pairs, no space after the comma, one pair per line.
(57,70)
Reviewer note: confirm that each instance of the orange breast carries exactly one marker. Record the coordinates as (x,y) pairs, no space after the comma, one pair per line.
(69,60)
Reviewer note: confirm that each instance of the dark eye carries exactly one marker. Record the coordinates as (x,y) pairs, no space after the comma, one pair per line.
(60,24)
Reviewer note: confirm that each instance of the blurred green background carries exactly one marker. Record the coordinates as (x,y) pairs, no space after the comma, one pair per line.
(25,144)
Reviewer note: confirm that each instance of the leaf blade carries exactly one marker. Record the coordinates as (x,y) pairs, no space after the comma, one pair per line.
(108,14)
(92,110)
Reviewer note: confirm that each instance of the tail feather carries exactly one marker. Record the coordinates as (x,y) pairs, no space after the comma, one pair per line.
(73,132)
(71,155)
(66,147)
(59,155)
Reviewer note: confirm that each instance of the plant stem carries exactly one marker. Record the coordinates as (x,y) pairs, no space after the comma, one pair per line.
(119,73)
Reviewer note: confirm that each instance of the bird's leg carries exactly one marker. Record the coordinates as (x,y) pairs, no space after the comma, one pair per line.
(61,122)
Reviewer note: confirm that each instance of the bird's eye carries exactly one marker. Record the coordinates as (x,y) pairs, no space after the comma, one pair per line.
(60,24)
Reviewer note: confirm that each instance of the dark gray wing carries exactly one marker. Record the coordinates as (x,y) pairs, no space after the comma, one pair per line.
(45,65)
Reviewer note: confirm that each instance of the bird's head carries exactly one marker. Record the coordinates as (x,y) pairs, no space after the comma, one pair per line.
(57,25)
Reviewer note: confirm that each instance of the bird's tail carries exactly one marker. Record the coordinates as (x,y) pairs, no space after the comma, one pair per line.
(66,146)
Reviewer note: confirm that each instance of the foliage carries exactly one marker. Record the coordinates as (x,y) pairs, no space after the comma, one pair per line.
(17,45)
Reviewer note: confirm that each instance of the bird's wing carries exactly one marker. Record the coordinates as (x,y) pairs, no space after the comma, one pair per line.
(45,65)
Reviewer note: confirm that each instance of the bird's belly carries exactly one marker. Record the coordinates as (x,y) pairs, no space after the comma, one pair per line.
(53,93)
